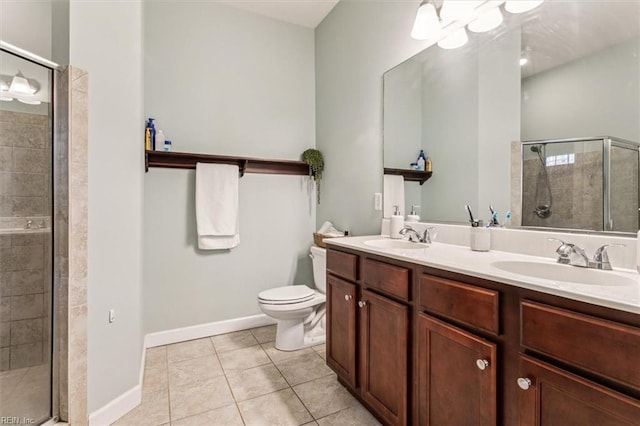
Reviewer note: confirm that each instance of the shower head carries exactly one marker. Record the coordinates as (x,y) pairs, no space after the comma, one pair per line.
(535,148)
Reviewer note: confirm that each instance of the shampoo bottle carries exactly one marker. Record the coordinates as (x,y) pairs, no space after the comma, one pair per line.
(422,161)
(152,133)
(397,223)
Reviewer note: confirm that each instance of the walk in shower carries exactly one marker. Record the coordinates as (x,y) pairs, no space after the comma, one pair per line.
(26,240)
(586,183)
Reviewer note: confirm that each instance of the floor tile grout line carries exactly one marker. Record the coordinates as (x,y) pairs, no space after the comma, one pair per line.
(224,373)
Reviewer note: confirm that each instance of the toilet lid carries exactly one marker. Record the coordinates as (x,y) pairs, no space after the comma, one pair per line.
(287,294)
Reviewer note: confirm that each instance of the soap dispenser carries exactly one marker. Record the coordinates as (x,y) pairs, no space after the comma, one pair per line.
(397,223)
(413,216)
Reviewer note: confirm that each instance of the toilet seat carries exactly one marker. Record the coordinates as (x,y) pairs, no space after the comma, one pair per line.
(286,295)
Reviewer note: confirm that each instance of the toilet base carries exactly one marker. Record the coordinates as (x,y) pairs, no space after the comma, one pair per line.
(291,335)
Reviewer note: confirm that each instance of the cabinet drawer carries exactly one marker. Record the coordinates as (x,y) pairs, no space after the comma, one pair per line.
(476,306)
(594,344)
(344,265)
(390,279)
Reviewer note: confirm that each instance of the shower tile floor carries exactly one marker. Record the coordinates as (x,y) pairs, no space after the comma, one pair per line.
(24,393)
(242,379)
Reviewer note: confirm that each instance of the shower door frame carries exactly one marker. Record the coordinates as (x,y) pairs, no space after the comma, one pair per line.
(54,396)
(607,143)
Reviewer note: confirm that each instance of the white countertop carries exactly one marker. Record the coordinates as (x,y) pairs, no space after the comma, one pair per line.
(461,259)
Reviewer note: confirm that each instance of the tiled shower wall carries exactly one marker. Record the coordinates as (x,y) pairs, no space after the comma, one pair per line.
(25,254)
(576,189)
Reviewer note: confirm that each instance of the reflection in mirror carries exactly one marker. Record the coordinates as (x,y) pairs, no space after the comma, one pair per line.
(465,107)
(589,184)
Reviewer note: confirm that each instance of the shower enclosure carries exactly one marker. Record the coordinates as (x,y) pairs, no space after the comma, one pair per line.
(26,266)
(584,183)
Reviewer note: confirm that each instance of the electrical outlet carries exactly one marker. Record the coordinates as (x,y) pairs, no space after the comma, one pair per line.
(377,201)
(112,315)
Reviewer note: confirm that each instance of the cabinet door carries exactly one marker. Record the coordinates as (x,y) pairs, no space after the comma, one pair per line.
(551,396)
(384,333)
(456,375)
(341,328)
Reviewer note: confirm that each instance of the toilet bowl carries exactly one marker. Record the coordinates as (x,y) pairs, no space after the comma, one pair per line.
(299,310)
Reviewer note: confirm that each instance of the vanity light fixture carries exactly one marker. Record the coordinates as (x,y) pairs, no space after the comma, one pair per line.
(20,89)
(487,21)
(457,38)
(521,6)
(448,29)
(427,25)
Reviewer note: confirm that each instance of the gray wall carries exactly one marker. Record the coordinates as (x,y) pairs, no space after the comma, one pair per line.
(27,24)
(556,105)
(355,44)
(116,168)
(224,81)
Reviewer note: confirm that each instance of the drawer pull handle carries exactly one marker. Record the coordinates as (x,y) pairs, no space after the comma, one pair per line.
(482,363)
(524,383)
(362,303)
(348,297)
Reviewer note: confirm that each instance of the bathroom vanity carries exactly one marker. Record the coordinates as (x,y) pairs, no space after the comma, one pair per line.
(439,335)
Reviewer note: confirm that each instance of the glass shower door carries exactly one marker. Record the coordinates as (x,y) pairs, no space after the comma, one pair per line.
(25,241)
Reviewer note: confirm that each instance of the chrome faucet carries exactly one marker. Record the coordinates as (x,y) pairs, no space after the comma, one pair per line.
(601,258)
(29,224)
(425,238)
(571,254)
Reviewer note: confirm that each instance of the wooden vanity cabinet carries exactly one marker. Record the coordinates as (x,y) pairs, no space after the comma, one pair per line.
(425,346)
(341,330)
(457,375)
(368,332)
(553,396)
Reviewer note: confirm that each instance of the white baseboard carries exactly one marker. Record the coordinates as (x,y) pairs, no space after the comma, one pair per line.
(124,403)
(117,408)
(205,330)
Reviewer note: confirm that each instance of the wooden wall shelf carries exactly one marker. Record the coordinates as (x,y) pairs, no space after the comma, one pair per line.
(409,175)
(185,160)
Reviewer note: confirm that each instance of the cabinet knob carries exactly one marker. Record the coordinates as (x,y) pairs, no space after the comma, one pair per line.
(524,383)
(348,297)
(362,303)
(482,363)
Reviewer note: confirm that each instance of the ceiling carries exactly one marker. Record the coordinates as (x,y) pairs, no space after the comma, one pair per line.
(307,13)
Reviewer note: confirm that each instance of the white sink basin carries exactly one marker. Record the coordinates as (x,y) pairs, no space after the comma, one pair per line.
(564,273)
(387,243)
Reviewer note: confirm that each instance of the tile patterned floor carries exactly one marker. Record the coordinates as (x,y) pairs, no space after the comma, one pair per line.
(24,393)
(242,379)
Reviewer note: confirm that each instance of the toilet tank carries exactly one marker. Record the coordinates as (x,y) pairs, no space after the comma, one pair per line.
(319,257)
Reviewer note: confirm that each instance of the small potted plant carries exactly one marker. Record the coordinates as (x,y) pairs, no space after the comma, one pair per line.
(314,159)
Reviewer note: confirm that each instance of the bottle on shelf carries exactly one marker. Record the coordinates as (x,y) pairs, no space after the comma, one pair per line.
(427,167)
(159,141)
(151,131)
(422,161)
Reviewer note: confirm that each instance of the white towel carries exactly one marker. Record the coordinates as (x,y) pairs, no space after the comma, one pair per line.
(217,206)
(393,194)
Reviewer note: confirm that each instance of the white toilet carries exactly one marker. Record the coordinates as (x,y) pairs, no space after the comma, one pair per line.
(298,309)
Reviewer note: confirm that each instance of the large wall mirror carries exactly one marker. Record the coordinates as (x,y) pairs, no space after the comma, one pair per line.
(472,108)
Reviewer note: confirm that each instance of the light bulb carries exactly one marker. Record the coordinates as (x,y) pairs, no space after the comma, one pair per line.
(523,61)
(457,38)
(427,24)
(521,6)
(487,21)
(21,86)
